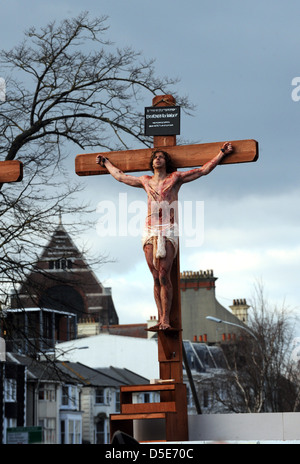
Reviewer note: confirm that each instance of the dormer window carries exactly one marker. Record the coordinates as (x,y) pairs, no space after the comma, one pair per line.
(62,263)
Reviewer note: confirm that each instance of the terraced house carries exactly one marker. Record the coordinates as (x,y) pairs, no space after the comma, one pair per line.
(70,401)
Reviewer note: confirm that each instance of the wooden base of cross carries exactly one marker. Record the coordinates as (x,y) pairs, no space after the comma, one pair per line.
(11,171)
(173,396)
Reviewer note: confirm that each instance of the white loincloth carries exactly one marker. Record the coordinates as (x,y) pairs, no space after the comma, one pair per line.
(157,236)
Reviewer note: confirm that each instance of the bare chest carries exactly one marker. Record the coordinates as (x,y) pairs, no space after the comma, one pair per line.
(162,190)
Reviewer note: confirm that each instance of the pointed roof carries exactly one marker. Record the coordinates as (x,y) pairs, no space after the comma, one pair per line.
(60,245)
(63,280)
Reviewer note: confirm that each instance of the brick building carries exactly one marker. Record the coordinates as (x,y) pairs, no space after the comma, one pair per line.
(61,291)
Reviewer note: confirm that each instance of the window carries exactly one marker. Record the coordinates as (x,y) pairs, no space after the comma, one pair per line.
(62,432)
(101,432)
(49,430)
(74,432)
(62,263)
(70,431)
(103,396)
(10,390)
(99,395)
(69,397)
(47,392)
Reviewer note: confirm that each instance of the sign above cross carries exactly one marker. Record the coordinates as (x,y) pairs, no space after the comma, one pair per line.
(183,156)
(11,171)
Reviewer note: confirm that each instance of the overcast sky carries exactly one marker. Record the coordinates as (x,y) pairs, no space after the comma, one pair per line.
(236,61)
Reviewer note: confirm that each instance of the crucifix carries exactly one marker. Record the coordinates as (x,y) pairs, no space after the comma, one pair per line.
(11,171)
(161,246)
(119,162)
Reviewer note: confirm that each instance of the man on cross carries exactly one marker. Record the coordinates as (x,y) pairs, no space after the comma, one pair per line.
(160,238)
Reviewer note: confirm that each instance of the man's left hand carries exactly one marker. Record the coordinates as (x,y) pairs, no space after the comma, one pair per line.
(227,147)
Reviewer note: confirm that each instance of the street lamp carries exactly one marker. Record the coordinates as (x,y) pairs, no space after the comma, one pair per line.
(220,321)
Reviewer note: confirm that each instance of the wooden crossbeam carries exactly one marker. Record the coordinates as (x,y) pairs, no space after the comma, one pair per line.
(11,171)
(183,156)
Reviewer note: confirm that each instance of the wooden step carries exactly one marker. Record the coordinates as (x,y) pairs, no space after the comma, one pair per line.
(171,408)
(166,406)
(148,387)
(122,417)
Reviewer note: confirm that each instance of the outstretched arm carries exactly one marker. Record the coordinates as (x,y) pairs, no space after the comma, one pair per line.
(119,175)
(188,176)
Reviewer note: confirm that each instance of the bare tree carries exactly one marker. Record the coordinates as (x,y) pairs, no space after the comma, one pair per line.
(262,376)
(65,83)
(67,86)
(74,93)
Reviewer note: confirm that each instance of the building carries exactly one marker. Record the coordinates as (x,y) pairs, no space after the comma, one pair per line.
(59,293)
(209,371)
(52,400)
(198,300)
(100,397)
(71,402)
(12,397)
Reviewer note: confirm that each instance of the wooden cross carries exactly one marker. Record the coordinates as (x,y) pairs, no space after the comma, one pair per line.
(11,171)
(170,353)
(182,156)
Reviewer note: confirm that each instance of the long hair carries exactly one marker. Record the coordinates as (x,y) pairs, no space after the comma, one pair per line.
(169,163)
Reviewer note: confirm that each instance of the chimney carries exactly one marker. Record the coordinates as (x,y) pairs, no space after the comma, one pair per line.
(150,323)
(197,280)
(240,309)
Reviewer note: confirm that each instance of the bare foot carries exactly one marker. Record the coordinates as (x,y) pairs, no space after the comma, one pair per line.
(164,326)
(155,327)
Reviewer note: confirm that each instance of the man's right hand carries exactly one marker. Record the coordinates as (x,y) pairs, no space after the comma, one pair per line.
(101,160)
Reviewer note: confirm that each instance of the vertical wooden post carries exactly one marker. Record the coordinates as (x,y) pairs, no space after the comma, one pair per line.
(170,342)
(170,354)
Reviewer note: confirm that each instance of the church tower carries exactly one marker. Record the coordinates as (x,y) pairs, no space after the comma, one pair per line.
(61,292)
